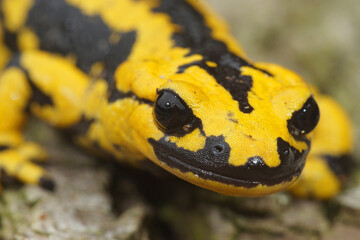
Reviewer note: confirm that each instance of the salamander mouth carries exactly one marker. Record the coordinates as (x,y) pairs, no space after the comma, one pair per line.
(173,162)
(210,165)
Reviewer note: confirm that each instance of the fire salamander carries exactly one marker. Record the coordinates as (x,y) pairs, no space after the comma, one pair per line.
(163,81)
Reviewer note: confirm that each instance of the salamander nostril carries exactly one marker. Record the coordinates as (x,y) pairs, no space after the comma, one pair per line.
(218,149)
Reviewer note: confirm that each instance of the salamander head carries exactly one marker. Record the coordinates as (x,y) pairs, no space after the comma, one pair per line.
(238,131)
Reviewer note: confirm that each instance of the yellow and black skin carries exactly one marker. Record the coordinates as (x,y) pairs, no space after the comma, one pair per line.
(161,80)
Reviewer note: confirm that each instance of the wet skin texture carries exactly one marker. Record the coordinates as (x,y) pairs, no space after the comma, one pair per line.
(159,81)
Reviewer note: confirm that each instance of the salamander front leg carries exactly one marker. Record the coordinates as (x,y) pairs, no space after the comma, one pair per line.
(17,159)
(16,154)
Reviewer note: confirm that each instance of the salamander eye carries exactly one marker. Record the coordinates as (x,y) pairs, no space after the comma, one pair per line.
(304,120)
(172,115)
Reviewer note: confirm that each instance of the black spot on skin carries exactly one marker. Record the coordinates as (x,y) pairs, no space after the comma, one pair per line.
(340,165)
(211,162)
(10,40)
(64,29)
(230,117)
(237,84)
(3,147)
(114,95)
(117,147)
(231,79)
(39,96)
(81,127)
(14,61)
(194,34)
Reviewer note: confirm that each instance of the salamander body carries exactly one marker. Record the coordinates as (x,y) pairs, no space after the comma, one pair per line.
(165,82)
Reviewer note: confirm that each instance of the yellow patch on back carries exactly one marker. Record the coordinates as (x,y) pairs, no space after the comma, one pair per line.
(59,79)
(143,77)
(27,40)
(15,13)
(95,99)
(15,92)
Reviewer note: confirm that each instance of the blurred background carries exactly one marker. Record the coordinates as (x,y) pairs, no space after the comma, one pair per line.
(96,200)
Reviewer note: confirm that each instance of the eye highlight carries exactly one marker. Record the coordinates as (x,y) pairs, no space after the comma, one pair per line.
(304,120)
(172,115)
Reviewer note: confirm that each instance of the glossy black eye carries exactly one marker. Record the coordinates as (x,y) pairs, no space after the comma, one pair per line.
(304,120)
(172,115)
